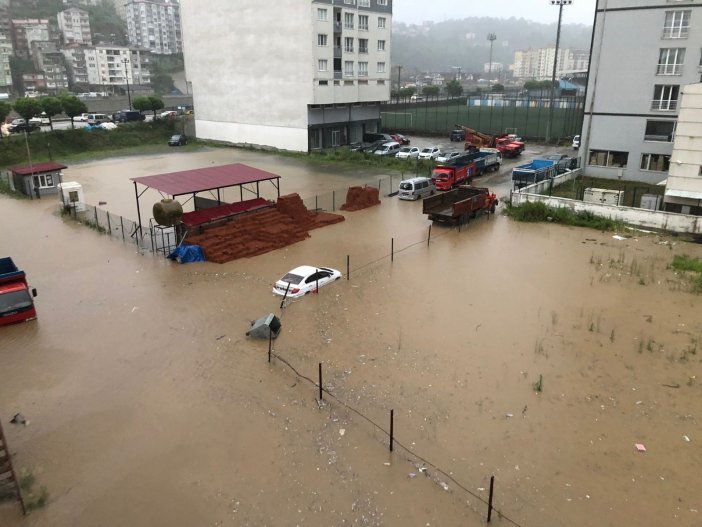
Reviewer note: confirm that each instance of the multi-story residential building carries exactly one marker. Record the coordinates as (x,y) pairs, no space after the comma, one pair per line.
(537,64)
(26,31)
(683,191)
(5,73)
(74,55)
(33,83)
(50,61)
(5,27)
(155,25)
(634,85)
(87,3)
(117,66)
(318,82)
(74,24)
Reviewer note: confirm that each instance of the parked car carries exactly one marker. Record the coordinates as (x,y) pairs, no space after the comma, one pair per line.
(402,139)
(98,118)
(178,140)
(447,156)
(107,126)
(82,118)
(305,279)
(168,114)
(431,152)
(407,152)
(458,135)
(576,142)
(124,116)
(23,127)
(563,162)
(40,119)
(388,149)
(416,98)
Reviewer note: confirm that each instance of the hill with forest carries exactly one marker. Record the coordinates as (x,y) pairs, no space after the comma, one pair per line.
(439,46)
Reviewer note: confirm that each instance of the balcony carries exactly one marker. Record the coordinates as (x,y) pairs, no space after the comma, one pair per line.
(337,27)
(338,75)
(337,52)
(664,105)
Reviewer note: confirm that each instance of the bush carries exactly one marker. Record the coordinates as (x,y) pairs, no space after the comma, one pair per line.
(539,212)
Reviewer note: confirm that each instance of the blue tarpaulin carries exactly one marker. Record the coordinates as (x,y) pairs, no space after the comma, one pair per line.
(188,254)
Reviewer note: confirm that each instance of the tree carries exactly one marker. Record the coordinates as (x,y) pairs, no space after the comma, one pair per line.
(430,91)
(72,107)
(5,110)
(141,103)
(155,103)
(498,88)
(51,106)
(162,83)
(28,107)
(454,88)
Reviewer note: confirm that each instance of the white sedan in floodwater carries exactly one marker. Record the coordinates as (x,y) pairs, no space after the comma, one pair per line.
(304,279)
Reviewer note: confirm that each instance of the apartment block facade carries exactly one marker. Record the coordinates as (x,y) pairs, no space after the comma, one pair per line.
(635,83)
(155,25)
(74,24)
(117,66)
(5,73)
(537,64)
(26,31)
(317,82)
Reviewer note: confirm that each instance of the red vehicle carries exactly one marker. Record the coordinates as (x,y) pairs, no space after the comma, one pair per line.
(506,144)
(16,299)
(455,172)
(457,206)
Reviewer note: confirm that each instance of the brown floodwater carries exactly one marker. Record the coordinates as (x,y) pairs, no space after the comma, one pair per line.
(149,406)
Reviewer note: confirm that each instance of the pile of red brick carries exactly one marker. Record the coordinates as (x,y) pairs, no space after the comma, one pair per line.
(262,231)
(358,198)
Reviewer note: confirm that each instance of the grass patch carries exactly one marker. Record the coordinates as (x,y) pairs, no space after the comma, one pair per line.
(33,498)
(81,144)
(633,190)
(539,212)
(691,268)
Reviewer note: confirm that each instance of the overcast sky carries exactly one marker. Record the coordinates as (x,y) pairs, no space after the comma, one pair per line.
(418,11)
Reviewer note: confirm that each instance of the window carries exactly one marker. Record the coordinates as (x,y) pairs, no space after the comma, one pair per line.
(363,3)
(348,67)
(677,24)
(363,22)
(607,158)
(363,69)
(348,20)
(655,162)
(322,15)
(363,45)
(323,83)
(663,131)
(665,97)
(321,39)
(348,2)
(322,65)
(381,45)
(381,22)
(382,2)
(43,181)
(670,61)
(348,45)
(381,67)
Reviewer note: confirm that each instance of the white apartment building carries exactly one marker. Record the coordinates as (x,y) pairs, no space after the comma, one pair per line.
(75,59)
(683,191)
(74,24)
(314,82)
(117,66)
(634,85)
(5,74)
(155,25)
(26,31)
(537,64)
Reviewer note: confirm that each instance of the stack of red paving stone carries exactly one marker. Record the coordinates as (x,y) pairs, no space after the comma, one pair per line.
(262,231)
(358,198)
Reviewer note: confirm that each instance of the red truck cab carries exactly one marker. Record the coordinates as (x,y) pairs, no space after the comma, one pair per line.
(446,177)
(16,298)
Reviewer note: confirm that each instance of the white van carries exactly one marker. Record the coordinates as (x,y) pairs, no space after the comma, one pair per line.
(415,188)
(98,118)
(388,149)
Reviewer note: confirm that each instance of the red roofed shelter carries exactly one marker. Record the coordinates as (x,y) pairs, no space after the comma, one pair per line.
(37,180)
(209,179)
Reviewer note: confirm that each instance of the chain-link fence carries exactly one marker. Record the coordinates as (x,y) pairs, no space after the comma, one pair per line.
(492,114)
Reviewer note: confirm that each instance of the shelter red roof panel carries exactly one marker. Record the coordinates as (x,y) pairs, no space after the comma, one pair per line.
(39,168)
(201,179)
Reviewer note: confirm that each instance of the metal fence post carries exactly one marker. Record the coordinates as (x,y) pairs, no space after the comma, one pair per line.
(97,223)
(109,225)
(392,429)
(492,486)
(121,225)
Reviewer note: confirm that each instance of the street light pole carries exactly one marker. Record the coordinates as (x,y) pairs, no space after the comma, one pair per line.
(492,37)
(125,61)
(399,72)
(549,124)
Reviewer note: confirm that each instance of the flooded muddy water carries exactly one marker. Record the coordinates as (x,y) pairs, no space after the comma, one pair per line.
(149,406)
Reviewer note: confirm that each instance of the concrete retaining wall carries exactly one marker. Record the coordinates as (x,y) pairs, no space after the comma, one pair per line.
(666,221)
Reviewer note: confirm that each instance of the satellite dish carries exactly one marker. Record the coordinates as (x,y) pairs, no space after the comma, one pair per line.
(168,212)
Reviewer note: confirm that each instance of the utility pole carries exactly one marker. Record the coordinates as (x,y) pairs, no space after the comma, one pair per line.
(492,37)
(549,124)
(125,61)
(399,74)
